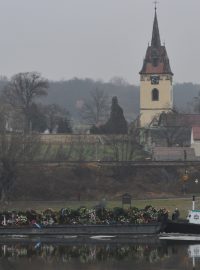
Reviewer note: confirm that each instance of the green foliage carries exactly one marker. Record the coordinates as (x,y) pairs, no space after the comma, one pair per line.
(89,148)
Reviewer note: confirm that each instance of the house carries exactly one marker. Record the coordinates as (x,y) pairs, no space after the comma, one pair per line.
(173,154)
(195,140)
(169,130)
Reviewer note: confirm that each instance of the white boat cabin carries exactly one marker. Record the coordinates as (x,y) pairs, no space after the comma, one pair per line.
(194,216)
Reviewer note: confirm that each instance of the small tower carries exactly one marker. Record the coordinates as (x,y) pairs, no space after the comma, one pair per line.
(156,91)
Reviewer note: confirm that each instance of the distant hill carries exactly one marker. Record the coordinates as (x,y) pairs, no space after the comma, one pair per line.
(184,94)
(68,94)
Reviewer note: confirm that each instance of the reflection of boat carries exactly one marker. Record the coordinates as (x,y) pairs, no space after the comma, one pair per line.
(111,229)
(194,252)
(78,239)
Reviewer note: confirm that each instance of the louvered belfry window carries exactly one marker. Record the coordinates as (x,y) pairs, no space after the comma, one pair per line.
(155,94)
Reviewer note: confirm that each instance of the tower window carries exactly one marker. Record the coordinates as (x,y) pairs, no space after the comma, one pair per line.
(155,94)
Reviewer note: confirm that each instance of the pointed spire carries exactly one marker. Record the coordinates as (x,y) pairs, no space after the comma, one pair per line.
(156,60)
(155,41)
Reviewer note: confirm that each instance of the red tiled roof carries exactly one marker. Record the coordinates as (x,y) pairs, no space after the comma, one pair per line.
(192,119)
(159,69)
(196,133)
(162,65)
(156,59)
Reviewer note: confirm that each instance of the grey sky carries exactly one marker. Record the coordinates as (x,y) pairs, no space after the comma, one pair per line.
(96,38)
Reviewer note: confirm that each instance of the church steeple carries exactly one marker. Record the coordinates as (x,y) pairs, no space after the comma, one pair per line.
(156,79)
(155,41)
(156,59)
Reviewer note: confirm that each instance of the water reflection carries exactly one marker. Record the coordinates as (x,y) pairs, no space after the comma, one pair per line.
(99,256)
(194,253)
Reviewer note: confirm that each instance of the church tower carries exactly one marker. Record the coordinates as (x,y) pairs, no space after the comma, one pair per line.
(156,91)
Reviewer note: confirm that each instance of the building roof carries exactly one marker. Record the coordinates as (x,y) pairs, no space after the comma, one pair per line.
(173,154)
(196,133)
(178,119)
(192,119)
(155,41)
(156,60)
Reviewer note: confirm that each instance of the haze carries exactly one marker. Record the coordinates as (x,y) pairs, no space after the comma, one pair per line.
(98,39)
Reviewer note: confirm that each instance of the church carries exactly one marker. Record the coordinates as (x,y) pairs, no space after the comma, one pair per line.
(162,129)
(156,78)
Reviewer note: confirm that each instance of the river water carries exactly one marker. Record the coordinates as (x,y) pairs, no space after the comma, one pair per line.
(98,254)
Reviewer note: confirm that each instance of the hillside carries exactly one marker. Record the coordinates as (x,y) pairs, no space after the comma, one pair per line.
(92,182)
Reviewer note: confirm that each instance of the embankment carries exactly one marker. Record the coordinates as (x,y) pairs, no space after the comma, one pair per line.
(92,181)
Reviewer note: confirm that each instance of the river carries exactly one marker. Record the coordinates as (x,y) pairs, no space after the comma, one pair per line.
(98,254)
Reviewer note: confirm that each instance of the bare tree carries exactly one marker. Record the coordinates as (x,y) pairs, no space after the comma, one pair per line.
(173,129)
(22,91)
(95,111)
(133,144)
(196,103)
(58,119)
(15,149)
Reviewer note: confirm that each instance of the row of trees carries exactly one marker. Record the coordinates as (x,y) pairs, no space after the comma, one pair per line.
(22,118)
(21,108)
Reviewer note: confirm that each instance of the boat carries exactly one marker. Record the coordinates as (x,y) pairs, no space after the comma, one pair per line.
(189,226)
(110,229)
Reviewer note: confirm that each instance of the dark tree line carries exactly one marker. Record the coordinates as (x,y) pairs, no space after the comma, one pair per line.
(21,102)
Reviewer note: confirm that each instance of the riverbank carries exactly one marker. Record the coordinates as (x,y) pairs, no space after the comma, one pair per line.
(183,204)
(92,181)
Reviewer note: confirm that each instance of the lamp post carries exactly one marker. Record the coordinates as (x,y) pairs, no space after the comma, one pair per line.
(193,197)
(185,178)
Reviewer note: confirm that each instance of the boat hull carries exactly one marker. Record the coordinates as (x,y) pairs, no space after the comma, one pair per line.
(118,229)
(182,227)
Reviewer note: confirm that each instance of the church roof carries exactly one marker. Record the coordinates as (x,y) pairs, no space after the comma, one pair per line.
(156,60)
(155,41)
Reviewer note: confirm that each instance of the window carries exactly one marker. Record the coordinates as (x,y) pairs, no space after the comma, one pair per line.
(155,94)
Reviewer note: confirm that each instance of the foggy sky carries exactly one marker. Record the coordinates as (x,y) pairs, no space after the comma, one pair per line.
(97,39)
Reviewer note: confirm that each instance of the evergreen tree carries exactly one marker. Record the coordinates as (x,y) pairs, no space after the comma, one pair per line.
(116,123)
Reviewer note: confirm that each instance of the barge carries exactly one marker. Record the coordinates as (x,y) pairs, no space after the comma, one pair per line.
(110,229)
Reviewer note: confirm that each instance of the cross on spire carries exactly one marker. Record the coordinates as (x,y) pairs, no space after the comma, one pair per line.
(155,3)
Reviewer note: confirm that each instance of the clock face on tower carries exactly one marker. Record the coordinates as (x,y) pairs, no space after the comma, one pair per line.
(155,79)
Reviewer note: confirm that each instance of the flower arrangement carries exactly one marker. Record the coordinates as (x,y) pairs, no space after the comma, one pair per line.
(84,216)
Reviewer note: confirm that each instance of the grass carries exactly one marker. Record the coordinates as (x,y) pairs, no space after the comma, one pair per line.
(183,204)
(83,150)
